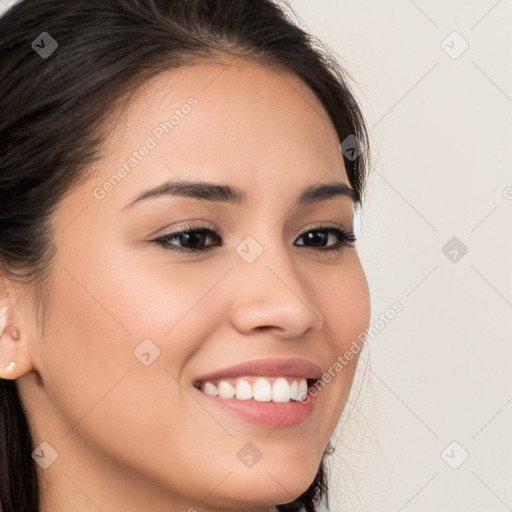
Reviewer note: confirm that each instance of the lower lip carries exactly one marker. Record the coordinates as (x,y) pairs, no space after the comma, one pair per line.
(270,414)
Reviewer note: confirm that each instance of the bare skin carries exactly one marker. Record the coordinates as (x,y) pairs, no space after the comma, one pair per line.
(132,437)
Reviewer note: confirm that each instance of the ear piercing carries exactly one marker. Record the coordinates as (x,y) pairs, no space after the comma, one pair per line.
(10,367)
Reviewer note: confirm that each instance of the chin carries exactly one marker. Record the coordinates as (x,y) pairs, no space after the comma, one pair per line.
(269,485)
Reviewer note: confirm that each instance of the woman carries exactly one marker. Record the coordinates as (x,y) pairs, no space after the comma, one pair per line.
(179,273)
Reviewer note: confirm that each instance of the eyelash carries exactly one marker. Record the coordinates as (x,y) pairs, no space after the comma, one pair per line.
(345,238)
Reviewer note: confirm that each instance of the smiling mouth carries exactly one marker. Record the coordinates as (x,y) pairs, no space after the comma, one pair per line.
(278,389)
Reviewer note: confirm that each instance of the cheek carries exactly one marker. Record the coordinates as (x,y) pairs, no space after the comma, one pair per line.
(344,302)
(109,312)
(97,387)
(117,300)
(87,347)
(174,304)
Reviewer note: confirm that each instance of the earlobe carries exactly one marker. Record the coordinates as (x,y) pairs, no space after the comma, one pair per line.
(9,337)
(11,366)
(3,323)
(8,368)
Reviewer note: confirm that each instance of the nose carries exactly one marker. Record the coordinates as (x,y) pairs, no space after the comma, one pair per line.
(272,295)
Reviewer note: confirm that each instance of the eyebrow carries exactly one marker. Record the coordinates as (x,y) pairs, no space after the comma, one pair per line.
(236,196)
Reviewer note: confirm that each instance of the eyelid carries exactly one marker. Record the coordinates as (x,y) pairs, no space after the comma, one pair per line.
(199,227)
(325,225)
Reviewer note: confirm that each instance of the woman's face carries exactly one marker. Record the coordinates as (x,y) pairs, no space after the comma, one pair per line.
(132,323)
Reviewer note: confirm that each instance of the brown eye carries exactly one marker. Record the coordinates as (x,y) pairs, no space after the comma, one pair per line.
(192,239)
(344,238)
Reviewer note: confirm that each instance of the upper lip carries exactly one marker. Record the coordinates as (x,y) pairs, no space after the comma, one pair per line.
(294,367)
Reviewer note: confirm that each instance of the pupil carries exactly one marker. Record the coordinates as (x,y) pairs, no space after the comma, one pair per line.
(194,238)
(317,236)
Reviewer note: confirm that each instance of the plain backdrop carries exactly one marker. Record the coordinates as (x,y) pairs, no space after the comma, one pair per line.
(428,423)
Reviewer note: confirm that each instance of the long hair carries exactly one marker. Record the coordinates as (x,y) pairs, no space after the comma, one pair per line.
(54,100)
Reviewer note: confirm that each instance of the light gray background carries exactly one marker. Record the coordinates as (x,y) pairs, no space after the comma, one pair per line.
(441,126)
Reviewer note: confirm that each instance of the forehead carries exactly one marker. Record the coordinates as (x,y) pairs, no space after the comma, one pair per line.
(234,121)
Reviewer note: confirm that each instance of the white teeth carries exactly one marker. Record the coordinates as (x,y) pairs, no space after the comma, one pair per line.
(281,390)
(211,389)
(293,390)
(262,389)
(243,390)
(302,389)
(226,390)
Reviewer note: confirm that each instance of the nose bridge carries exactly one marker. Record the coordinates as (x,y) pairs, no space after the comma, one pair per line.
(269,291)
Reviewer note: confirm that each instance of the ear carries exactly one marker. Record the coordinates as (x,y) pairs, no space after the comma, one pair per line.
(15,358)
